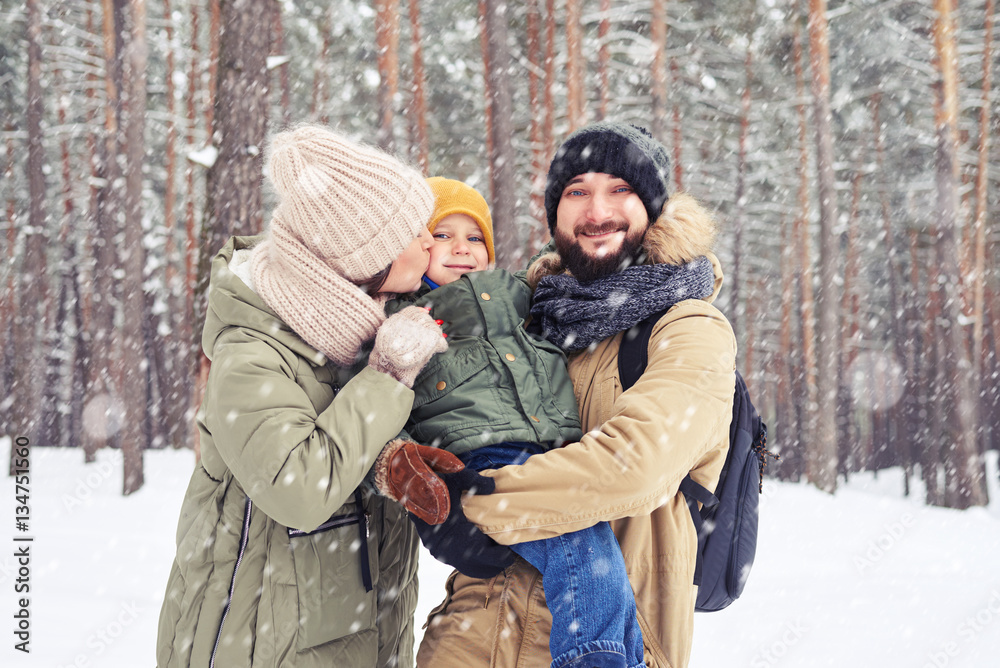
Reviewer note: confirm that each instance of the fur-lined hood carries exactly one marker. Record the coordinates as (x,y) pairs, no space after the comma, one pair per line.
(684,231)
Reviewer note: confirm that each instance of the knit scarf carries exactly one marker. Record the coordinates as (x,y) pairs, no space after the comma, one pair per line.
(330,313)
(574,315)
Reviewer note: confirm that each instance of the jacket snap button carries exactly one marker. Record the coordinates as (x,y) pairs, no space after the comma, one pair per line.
(510,357)
(485,296)
(441,385)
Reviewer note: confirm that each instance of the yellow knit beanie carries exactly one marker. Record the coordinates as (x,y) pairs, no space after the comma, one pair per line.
(452,196)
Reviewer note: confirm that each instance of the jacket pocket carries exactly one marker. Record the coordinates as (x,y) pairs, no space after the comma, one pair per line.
(454,396)
(332,576)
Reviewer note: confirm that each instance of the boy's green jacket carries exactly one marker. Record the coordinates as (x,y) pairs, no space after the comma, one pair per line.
(496,382)
(280,562)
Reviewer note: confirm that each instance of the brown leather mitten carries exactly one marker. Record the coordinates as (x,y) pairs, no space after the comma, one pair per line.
(407,472)
(405,343)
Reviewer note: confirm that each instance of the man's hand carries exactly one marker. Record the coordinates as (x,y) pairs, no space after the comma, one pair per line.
(408,473)
(458,542)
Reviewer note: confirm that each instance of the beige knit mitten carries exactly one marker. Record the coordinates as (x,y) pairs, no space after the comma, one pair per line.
(405,343)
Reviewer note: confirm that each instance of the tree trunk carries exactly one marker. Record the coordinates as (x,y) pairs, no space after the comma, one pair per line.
(903,423)
(658,75)
(539,168)
(8,305)
(550,80)
(84,281)
(576,66)
(603,58)
(102,416)
(675,79)
(33,292)
(60,347)
(133,354)
(991,369)
(215,30)
(822,460)
(233,185)
(918,357)
(279,50)
(319,83)
(508,249)
(484,48)
(850,445)
(188,334)
(980,276)
(172,347)
(966,486)
(419,115)
(787,424)
(387,44)
(748,338)
(804,253)
(81,358)
(170,151)
(930,380)
(738,280)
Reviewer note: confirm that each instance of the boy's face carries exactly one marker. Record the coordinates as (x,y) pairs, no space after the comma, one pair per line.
(459,247)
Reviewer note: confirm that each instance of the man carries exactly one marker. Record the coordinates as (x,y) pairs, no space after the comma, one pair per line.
(625,251)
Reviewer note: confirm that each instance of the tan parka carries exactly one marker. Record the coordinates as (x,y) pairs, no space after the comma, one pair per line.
(280,561)
(638,446)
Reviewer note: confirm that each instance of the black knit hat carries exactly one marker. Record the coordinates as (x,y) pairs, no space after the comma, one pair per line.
(625,151)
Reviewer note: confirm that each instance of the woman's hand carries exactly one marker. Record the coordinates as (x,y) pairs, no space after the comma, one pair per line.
(405,343)
(408,473)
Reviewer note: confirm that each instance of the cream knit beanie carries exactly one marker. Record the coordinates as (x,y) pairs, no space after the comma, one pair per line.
(345,211)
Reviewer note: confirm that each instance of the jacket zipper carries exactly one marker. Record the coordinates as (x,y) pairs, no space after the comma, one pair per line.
(244,537)
(332,523)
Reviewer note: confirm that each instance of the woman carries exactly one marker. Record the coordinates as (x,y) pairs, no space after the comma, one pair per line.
(282,558)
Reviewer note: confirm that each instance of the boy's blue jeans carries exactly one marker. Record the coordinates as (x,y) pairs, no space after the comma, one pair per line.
(586,586)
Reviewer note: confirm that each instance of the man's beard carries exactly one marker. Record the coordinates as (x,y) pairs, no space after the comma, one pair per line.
(586,267)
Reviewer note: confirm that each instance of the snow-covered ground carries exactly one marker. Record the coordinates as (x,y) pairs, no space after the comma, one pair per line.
(863,578)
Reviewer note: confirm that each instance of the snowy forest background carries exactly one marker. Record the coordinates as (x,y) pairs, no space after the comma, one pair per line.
(846,149)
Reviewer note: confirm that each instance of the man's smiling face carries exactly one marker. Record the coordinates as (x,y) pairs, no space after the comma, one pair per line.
(600,223)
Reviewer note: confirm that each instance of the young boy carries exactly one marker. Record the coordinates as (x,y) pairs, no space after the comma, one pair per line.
(499,395)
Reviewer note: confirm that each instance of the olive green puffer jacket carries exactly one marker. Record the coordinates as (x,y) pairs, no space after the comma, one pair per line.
(280,560)
(496,382)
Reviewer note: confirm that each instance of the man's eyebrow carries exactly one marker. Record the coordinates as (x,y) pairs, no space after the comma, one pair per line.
(575,179)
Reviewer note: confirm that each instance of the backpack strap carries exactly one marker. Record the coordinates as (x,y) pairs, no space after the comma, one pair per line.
(693,494)
(633,354)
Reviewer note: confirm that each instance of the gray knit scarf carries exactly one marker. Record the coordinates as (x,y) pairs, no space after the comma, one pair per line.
(574,315)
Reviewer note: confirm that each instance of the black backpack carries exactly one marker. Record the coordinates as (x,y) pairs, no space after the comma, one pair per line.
(727,521)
